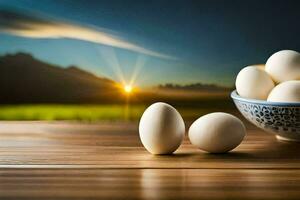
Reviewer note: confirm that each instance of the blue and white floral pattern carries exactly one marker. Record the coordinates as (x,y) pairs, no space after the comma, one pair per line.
(281,119)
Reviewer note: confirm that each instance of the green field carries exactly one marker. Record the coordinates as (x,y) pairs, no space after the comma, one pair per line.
(93,112)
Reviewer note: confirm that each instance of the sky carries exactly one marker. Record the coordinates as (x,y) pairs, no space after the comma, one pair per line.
(151,42)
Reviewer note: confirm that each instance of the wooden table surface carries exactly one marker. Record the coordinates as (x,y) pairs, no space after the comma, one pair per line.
(65,160)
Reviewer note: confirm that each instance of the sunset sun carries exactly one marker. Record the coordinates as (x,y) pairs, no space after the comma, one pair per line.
(128,88)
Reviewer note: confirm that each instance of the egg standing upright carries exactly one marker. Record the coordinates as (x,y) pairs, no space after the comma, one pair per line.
(161,129)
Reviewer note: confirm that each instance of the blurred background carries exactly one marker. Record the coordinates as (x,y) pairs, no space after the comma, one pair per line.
(108,60)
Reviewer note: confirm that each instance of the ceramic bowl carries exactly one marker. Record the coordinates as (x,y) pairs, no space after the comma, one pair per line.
(281,119)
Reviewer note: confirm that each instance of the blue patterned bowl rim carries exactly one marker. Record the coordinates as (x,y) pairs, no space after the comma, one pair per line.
(234,95)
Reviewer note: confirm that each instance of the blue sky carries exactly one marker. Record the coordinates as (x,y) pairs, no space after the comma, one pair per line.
(200,41)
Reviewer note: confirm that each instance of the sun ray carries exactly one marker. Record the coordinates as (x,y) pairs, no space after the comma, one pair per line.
(110,57)
(139,64)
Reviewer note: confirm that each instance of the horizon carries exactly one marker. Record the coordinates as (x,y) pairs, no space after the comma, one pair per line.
(161,86)
(151,43)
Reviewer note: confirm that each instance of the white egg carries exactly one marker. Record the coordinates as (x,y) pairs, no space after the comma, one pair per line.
(217,132)
(260,66)
(284,66)
(288,91)
(254,83)
(161,129)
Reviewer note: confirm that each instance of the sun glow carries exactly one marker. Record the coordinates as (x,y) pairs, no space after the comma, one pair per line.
(126,84)
(128,88)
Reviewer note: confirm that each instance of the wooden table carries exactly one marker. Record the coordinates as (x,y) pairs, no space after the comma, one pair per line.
(41,160)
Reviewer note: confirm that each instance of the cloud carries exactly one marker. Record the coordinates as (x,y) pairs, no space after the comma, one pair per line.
(33,27)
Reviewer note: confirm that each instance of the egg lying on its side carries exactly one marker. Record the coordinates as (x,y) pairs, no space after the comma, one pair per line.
(284,66)
(254,83)
(161,129)
(288,91)
(217,132)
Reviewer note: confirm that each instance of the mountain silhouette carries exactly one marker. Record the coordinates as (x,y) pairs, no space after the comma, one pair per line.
(24,79)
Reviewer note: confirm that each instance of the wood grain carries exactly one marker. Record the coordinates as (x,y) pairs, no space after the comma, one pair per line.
(149,184)
(117,146)
(42,160)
